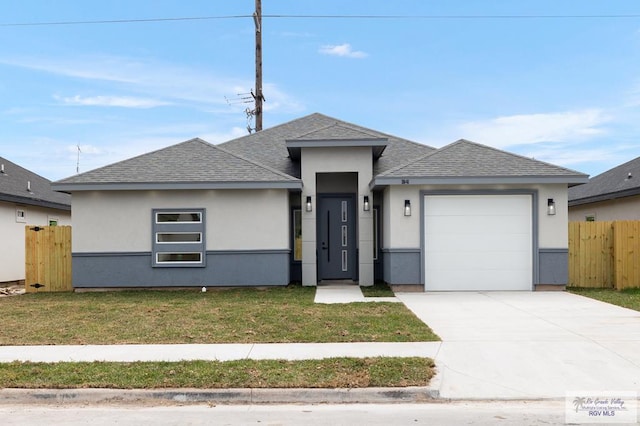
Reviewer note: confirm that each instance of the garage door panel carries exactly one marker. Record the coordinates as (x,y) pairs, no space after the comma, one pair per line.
(478,242)
(469,243)
(454,261)
(496,280)
(483,205)
(478,225)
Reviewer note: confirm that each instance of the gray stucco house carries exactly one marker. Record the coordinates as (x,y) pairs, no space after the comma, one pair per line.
(612,195)
(319,199)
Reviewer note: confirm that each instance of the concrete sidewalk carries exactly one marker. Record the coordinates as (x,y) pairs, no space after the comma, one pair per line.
(214,352)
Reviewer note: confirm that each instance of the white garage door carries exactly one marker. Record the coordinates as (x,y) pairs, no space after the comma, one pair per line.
(478,242)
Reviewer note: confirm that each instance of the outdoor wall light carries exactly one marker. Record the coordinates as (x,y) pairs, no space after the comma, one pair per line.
(407,207)
(308,205)
(551,207)
(365,205)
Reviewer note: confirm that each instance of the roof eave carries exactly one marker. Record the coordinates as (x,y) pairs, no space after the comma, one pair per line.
(294,146)
(476,180)
(165,186)
(34,202)
(604,197)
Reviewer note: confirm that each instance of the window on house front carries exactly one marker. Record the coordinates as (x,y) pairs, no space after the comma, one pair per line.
(21,215)
(590,218)
(53,221)
(297,235)
(178,238)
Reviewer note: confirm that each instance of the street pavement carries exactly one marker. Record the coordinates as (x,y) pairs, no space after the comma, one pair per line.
(515,413)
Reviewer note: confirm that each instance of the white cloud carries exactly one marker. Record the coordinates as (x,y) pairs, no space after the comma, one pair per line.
(343,50)
(112,101)
(152,79)
(524,129)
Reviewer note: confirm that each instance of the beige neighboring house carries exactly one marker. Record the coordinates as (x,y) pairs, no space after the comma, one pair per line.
(612,195)
(25,199)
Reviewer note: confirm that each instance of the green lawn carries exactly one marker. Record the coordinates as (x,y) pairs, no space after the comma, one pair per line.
(326,373)
(628,298)
(379,289)
(283,314)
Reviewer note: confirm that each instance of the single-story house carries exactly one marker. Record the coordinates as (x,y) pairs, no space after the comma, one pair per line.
(25,199)
(316,200)
(612,195)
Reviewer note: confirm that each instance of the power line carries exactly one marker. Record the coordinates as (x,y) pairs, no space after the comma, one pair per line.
(121,21)
(363,17)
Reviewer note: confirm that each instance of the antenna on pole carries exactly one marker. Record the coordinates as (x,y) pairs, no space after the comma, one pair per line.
(255,96)
(78,161)
(259,98)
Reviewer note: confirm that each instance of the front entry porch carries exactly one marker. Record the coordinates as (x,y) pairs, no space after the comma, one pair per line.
(337,230)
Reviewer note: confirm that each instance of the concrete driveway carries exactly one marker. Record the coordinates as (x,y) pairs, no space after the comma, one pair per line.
(529,344)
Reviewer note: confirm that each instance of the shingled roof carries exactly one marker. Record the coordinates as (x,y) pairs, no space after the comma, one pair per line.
(269,146)
(621,181)
(464,161)
(194,164)
(268,159)
(13,188)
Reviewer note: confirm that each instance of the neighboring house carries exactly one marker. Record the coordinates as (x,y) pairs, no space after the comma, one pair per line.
(318,199)
(612,195)
(25,199)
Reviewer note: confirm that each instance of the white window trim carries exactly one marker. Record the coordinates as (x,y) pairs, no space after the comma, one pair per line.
(157,234)
(178,262)
(159,212)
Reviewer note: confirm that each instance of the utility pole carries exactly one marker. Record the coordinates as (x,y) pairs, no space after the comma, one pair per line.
(257,18)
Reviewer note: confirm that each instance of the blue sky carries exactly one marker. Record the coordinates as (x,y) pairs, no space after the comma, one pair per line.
(562,89)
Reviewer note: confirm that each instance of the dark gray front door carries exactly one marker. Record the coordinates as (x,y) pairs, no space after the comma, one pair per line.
(336,237)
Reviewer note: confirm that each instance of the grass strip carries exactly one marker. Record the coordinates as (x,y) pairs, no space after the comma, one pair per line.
(379,289)
(247,315)
(325,373)
(627,298)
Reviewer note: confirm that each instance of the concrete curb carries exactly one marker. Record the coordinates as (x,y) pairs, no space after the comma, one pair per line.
(217,396)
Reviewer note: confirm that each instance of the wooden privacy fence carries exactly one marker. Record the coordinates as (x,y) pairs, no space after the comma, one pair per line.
(47,259)
(604,254)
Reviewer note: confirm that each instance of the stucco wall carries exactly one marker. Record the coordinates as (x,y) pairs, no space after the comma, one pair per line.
(337,160)
(404,232)
(12,256)
(120,221)
(627,208)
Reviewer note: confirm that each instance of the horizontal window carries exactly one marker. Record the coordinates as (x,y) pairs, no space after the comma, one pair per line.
(179,257)
(178,237)
(178,217)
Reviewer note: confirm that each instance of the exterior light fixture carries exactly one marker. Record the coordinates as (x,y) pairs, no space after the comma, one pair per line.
(407,207)
(308,205)
(365,205)
(551,207)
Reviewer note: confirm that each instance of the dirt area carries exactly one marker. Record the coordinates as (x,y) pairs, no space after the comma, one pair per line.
(11,289)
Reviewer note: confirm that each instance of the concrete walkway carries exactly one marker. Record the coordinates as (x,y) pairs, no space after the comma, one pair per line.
(346,293)
(524,345)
